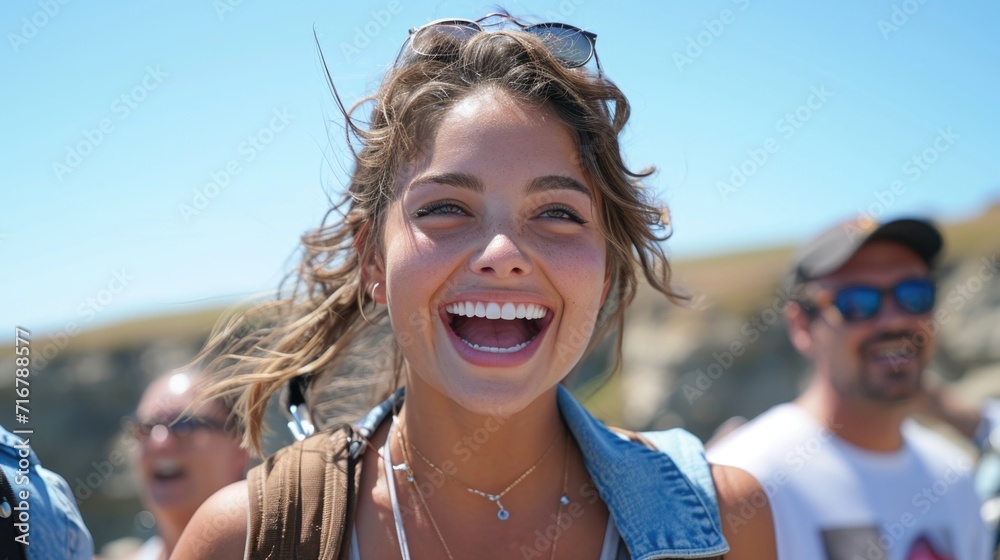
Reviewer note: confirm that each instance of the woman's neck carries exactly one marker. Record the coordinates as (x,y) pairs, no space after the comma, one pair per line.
(487,452)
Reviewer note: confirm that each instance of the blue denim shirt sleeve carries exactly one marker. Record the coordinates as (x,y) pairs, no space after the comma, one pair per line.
(56,529)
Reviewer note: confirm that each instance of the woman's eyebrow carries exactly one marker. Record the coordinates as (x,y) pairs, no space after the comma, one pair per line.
(471,182)
(461,180)
(553,182)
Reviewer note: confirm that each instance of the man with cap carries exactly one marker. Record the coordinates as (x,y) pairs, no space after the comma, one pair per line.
(848,474)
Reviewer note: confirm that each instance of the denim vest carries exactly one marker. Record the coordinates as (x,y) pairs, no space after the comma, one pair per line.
(55,528)
(663,502)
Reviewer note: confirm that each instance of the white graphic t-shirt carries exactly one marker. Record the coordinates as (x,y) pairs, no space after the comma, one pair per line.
(834,501)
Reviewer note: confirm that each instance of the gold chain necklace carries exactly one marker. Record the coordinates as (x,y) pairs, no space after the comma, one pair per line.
(412,479)
(502,513)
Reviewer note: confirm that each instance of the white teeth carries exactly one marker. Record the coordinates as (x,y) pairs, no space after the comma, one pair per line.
(495,350)
(493,310)
(508,312)
(166,467)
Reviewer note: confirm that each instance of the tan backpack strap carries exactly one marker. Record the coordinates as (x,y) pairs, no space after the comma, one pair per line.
(300,497)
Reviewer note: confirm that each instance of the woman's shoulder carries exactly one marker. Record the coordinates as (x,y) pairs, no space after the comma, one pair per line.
(742,507)
(219,527)
(747,521)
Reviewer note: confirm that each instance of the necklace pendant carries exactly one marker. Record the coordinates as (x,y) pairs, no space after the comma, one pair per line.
(564,500)
(502,514)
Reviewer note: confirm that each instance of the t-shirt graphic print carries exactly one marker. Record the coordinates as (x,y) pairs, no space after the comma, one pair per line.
(866,543)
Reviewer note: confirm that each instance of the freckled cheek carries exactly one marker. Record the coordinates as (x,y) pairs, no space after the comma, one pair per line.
(417,270)
(580,269)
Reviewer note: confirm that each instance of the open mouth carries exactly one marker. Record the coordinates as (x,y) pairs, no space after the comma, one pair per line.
(165,470)
(496,327)
(895,353)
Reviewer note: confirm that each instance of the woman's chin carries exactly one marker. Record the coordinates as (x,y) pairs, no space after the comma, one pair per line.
(492,397)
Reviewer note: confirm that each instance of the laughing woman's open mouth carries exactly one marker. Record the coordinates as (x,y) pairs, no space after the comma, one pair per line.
(496,333)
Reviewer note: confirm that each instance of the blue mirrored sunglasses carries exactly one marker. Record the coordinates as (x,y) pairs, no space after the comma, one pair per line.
(570,45)
(860,303)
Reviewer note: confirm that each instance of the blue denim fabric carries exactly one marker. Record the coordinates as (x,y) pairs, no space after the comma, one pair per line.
(56,530)
(663,502)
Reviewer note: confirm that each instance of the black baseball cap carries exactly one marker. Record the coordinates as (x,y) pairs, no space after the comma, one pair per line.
(831,249)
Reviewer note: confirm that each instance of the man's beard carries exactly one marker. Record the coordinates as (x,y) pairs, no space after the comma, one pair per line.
(892,366)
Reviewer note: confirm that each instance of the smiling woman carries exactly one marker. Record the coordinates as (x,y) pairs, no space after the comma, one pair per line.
(493,230)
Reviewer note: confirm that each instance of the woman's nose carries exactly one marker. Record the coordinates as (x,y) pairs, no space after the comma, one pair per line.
(501,257)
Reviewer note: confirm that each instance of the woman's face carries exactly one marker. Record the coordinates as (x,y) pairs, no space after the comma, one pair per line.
(494,266)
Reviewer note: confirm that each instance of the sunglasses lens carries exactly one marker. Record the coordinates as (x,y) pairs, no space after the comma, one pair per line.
(444,37)
(915,296)
(568,44)
(858,303)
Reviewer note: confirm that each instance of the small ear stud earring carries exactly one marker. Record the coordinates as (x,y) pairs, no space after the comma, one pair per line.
(374,287)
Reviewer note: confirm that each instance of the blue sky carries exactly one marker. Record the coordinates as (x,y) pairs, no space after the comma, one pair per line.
(767,122)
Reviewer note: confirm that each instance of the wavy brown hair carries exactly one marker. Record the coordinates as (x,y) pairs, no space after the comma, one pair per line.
(325,326)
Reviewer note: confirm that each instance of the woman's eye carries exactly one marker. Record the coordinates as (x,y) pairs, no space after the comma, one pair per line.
(443,207)
(562,213)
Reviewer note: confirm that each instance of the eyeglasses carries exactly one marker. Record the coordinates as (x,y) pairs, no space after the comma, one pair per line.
(860,303)
(182,428)
(571,46)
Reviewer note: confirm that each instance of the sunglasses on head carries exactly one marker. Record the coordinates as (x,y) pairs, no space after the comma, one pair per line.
(571,46)
(182,428)
(860,303)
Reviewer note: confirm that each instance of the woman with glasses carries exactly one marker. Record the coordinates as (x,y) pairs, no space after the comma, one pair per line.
(490,237)
(180,459)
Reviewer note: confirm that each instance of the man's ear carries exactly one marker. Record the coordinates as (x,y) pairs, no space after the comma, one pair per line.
(799,323)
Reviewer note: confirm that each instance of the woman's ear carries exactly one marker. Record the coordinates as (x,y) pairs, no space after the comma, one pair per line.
(373,279)
(604,292)
(372,267)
